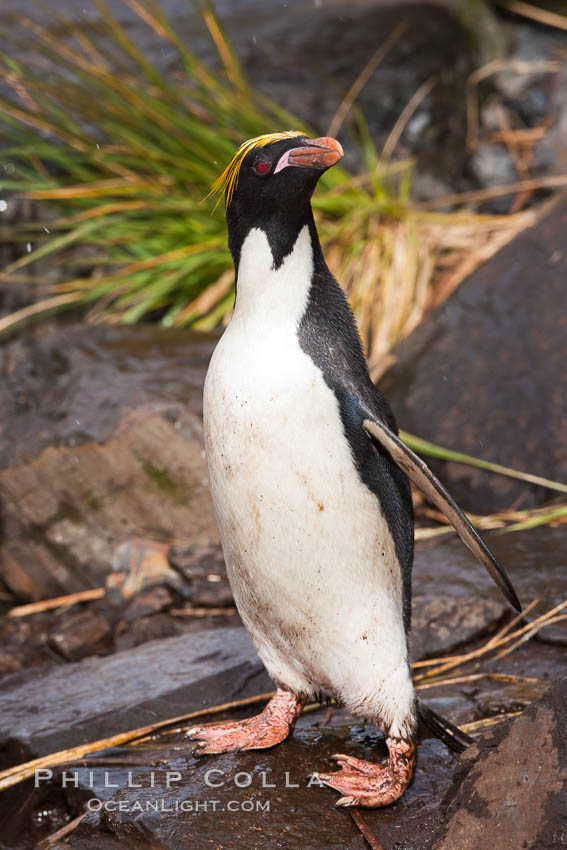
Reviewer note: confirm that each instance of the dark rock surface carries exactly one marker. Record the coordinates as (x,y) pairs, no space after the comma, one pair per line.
(82,633)
(97,448)
(205,572)
(144,599)
(535,560)
(262,799)
(302,816)
(440,624)
(509,790)
(69,385)
(45,711)
(485,375)
(511,787)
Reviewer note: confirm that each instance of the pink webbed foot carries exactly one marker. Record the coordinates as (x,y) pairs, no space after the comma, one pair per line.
(363,783)
(267,729)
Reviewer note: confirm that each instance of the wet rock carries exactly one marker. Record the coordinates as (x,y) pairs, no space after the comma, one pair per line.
(513,783)
(80,634)
(204,569)
(12,662)
(211,592)
(22,646)
(535,560)
(104,696)
(101,840)
(442,623)
(150,627)
(492,165)
(150,601)
(103,447)
(263,799)
(502,396)
(195,561)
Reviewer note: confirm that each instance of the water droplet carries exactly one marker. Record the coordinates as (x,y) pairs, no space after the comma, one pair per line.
(3,206)
(47,230)
(28,247)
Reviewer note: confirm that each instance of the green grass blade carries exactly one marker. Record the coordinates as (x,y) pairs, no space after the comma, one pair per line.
(424,447)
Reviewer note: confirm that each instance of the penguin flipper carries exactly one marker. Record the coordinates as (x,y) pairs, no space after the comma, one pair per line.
(420,474)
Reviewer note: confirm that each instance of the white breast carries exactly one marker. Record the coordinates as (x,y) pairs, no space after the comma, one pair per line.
(310,558)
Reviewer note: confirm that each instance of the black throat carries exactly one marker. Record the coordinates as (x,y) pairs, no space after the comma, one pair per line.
(282,225)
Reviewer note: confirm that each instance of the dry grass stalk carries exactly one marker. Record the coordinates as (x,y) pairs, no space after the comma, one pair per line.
(205,302)
(407,268)
(17,773)
(520,152)
(534,13)
(529,634)
(55,837)
(519,135)
(554,181)
(546,619)
(54,303)
(430,662)
(517,66)
(487,721)
(473,677)
(386,282)
(407,112)
(56,602)
(502,521)
(352,94)
(364,829)
(203,612)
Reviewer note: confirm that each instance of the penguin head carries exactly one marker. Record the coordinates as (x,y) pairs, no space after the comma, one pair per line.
(268,185)
(276,171)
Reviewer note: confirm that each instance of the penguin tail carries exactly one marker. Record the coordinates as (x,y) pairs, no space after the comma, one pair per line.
(434,725)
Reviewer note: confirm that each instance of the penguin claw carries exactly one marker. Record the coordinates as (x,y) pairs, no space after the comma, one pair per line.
(354,764)
(363,783)
(346,802)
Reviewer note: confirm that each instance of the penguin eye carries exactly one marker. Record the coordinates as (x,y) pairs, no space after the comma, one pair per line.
(262,167)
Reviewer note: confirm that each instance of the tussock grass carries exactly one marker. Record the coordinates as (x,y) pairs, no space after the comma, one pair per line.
(122,160)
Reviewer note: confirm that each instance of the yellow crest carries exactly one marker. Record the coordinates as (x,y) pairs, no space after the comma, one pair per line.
(228,180)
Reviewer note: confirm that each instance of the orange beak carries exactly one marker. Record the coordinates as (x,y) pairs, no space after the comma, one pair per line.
(319,153)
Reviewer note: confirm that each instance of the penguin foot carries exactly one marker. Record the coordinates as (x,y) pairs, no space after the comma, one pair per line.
(363,783)
(267,729)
